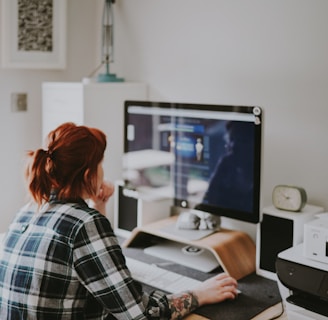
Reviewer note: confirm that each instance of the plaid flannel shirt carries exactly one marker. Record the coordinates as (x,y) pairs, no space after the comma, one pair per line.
(65,263)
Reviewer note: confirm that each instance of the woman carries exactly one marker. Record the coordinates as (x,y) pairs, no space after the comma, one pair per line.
(61,259)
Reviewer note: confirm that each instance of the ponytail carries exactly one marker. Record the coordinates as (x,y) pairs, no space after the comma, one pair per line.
(39,177)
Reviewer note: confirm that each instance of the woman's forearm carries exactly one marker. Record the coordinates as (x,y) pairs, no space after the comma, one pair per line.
(182,304)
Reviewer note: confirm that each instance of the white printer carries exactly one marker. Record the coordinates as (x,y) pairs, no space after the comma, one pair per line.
(316,238)
(302,273)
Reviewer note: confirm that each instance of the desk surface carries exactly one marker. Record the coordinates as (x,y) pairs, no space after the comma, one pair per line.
(266,314)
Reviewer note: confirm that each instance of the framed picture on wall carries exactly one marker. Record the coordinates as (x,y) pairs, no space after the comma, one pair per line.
(33,34)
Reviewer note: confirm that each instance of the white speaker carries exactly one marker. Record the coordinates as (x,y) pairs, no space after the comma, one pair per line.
(134,209)
(279,230)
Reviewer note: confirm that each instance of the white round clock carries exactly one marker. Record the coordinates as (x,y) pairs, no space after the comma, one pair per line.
(290,198)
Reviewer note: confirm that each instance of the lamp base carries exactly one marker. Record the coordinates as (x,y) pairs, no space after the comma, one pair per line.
(109,77)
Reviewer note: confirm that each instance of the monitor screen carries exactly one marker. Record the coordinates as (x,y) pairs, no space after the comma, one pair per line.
(206,157)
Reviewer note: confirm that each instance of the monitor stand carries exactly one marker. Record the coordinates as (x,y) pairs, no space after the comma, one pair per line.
(173,230)
(190,226)
(193,224)
(187,255)
(233,249)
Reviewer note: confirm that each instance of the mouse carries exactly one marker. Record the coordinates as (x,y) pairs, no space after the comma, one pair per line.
(188,220)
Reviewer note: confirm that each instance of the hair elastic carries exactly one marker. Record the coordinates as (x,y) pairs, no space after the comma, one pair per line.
(49,154)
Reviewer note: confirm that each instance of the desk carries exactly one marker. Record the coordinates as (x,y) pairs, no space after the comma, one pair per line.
(258,293)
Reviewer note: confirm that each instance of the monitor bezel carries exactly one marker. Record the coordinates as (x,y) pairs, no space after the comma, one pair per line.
(252,217)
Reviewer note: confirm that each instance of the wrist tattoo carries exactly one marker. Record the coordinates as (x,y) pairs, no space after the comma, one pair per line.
(182,304)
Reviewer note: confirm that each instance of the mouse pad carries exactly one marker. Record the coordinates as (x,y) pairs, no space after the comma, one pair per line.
(257,294)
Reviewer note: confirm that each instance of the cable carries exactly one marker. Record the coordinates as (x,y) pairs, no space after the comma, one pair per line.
(95,70)
(281,313)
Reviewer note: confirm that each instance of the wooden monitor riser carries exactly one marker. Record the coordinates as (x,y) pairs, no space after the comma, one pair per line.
(234,250)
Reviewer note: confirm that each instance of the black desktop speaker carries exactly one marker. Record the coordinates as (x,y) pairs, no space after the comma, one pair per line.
(135,209)
(127,219)
(279,230)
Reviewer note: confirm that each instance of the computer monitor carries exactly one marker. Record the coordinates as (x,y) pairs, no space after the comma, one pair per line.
(206,157)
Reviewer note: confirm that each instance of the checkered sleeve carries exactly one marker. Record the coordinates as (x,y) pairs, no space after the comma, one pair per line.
(100,265)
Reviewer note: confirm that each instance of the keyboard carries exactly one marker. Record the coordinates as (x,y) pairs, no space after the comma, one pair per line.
(160,278)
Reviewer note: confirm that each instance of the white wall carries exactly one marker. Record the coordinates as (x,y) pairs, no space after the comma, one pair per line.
(21,131)
(269,53)
(263,52)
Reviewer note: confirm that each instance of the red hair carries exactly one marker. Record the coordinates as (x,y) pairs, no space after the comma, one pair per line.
(68,166)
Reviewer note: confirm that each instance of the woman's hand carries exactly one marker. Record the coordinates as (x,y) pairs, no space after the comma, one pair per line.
(213,290)
(99,201)
(216,289)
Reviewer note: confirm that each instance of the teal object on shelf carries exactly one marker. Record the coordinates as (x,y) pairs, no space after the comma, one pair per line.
(108,77)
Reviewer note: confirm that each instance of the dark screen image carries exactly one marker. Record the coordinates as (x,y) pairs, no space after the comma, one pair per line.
(204,162)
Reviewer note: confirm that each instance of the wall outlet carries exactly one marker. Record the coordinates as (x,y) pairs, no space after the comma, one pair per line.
(18,102)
